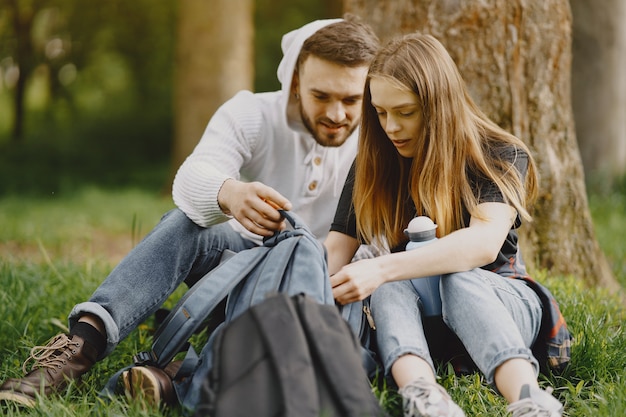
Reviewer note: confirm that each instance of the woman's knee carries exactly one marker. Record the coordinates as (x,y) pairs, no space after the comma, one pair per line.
(460,294)
(390,291)
(452,286)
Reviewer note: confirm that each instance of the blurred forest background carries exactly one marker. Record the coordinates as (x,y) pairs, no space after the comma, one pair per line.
(87,89)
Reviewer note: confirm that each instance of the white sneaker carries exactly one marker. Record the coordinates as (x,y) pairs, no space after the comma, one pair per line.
(535,402)
(421,398)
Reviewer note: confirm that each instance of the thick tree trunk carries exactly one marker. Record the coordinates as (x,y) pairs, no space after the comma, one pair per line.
(515,56)
(22,22)
(599,88)
(214,60)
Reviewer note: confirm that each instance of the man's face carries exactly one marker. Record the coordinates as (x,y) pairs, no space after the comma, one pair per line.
(330,99)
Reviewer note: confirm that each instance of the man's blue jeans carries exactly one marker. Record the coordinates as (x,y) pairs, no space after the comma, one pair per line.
(175,251)
(496,319)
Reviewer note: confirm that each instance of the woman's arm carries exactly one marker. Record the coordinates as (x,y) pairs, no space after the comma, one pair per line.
(340,250)
(471,247)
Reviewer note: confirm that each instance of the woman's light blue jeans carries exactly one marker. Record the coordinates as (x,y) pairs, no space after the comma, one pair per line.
(175,251)
(496,319)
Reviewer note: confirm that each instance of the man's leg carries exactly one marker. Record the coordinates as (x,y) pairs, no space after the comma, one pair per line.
(176,250)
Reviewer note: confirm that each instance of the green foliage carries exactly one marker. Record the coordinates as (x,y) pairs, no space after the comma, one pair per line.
(607,209)
(39,289)
(274,18)
(98,100)
(75,59)
(108,150)
(37,292)
(98,105)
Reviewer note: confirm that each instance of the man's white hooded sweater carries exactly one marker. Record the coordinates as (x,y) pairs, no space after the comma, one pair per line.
(261,137)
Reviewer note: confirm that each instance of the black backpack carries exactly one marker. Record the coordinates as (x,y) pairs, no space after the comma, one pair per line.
(288,356)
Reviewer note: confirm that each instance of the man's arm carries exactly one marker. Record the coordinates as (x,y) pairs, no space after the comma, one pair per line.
(228,142)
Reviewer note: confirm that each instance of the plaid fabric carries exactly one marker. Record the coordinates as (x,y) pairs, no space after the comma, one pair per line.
(553,346)
(367,252)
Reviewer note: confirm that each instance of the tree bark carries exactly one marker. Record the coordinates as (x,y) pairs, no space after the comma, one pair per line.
(599,88)
(22,23)
(515,56)
(214,60)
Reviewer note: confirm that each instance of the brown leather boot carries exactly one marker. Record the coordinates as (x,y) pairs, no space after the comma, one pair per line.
(150,384)
(63,359)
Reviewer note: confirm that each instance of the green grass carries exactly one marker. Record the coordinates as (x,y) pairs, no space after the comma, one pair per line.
(55,250)
(609,214)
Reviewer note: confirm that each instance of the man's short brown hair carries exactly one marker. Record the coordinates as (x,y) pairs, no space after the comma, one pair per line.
(350,42)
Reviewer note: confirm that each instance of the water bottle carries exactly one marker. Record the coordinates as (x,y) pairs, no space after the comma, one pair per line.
(421,231)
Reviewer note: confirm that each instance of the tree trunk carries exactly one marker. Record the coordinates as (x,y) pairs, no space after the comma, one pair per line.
(213,61)
(22,24)
(599,88)
(515,56)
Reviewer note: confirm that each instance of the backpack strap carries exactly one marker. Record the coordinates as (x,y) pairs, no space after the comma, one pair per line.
(343,373)
(289,345)
(297,265)
(256,287)
(200,300)
(197,304)
(189,313)
(553,348)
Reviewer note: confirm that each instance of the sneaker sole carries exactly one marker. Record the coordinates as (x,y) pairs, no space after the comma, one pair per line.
(140,383)
(17,399)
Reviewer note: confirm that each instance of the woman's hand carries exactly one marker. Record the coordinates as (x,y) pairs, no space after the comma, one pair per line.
(356,281)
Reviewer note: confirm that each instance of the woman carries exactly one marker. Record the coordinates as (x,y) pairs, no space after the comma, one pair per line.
(426,149)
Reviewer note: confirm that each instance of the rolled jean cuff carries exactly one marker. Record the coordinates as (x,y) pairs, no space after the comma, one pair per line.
(113,333)
(400,351)
(513,353)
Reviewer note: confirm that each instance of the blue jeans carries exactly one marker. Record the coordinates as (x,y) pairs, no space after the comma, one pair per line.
(175,251)
(495,318)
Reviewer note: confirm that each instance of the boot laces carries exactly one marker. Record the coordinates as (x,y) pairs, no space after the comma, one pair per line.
(53,355)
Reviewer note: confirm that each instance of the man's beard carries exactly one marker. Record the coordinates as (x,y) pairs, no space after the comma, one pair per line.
(331,140)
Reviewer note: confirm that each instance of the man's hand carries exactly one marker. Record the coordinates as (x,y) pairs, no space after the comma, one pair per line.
(254,205)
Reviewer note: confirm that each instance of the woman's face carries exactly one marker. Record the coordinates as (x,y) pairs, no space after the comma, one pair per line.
(399,113)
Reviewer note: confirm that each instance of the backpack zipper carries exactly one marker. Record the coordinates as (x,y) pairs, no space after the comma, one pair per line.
(368,315)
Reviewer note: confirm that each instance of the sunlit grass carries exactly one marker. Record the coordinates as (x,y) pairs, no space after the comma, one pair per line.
(80,224)
(64,216)
(48,272)
(609,216)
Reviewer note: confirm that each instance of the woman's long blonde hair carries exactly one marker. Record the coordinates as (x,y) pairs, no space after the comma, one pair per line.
(458,138)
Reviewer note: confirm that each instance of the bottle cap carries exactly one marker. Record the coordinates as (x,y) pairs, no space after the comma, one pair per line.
(421,228)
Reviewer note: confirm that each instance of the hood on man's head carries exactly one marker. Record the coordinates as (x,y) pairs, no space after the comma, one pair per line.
(291,45)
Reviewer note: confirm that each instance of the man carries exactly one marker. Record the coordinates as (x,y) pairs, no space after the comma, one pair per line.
(290,148)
